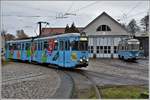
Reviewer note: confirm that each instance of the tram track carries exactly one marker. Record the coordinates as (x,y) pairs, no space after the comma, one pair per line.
(70,82)
(85,75)
(71,74)
(123,65)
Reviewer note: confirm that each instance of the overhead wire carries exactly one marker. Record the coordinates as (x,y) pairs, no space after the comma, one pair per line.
(124,16)
(84,7)
(70,7)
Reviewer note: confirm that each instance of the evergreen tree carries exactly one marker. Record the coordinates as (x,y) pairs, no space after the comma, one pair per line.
(67,29)
(73,29)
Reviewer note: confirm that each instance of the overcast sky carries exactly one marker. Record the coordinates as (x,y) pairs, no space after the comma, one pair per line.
(25,14)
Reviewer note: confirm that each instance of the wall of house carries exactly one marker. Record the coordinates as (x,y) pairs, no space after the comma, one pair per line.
(104,44)
(115,28)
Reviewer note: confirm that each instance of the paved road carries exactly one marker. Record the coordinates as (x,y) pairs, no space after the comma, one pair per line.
(114,71)
(25,81)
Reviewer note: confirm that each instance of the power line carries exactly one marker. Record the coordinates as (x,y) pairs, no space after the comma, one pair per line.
(69,7)
(86,6)
(133,7)
(125,15)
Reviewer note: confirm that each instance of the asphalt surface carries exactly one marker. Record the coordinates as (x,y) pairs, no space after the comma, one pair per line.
(26,81)
(117,72)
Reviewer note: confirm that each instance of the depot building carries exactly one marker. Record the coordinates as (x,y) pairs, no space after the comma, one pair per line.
(104,34)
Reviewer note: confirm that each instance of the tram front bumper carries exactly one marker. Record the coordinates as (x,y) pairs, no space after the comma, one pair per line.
(82,63)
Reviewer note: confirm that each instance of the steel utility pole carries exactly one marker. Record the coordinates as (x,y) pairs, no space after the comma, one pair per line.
(40,26)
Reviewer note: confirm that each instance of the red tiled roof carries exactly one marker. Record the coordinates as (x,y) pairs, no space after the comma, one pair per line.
(48,31)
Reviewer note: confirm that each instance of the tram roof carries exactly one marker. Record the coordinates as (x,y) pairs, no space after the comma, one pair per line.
(44,37)
(133,40)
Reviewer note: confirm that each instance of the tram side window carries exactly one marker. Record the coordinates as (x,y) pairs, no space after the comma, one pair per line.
(45,44)
(61,45)
(56,46)
(10,46)
(27,46)
(42,46)
(18,46)
(22,48)
(15,46)
(67,45)
(105,49)
(35,46)
(74,45)
(39,46)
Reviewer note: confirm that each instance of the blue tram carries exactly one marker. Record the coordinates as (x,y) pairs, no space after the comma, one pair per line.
(65,50)
(128,49)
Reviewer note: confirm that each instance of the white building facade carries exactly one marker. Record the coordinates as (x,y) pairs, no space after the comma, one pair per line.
(104,35)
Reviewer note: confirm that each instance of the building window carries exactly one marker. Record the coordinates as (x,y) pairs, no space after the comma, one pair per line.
(109,48)
(103,28)
(105,49)
(115,49)
(97,49)
(91,49)
(101,49)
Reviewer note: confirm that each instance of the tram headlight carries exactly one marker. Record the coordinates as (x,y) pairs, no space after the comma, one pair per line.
(87,60)
(81,60)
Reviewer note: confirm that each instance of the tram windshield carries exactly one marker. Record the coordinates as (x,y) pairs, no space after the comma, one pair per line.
(80,45)
(133,46)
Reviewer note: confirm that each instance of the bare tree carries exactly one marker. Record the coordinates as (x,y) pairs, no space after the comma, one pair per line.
(133,27)
(9,36)
(21,34)
(145,23)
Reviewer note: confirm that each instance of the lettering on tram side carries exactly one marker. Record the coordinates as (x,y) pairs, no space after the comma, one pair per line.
(74,56)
